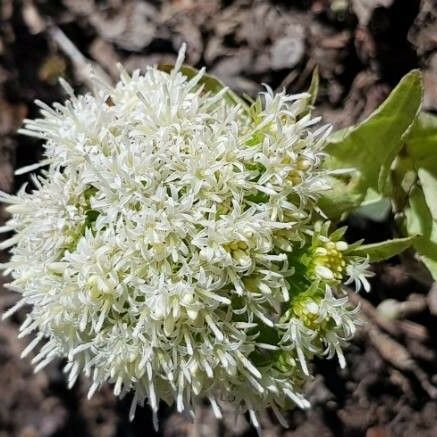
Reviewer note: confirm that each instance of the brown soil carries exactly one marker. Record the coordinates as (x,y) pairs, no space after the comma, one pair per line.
(363,48)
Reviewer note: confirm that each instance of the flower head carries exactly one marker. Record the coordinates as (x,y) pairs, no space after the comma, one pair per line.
(166,246)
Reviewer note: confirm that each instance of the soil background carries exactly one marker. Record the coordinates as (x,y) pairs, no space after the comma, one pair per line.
(362,48)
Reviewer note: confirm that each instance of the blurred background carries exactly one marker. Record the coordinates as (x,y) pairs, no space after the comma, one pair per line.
(362,49)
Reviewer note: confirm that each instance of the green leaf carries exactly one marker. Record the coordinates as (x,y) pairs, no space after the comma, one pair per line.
(210,83)
(419,221)
(384,249)
(428,181)
(90,217)
(421,143)
(313,90)
(370,147)
(421,148)
(341,198)
(374,208)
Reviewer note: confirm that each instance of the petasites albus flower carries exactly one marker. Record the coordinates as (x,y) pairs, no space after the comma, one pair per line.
(170,245)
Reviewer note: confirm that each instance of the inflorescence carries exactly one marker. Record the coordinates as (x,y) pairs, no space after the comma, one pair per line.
(173,245)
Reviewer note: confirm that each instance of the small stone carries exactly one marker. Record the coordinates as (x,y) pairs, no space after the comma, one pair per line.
(288,51)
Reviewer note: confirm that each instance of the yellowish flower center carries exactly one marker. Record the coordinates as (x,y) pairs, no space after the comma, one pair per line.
(307,310)
(329,260)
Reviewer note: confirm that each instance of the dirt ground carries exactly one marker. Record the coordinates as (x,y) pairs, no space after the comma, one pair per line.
(362,48)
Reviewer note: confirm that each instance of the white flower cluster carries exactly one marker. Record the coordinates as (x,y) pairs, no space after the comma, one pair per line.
(170,247)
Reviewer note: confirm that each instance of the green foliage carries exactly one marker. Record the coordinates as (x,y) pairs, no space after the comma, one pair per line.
(374,207)
(343,197)
(421,202)
(392,158)
(385,249)
(370,148)
(422,142)
(420,221)
(313,90)
(91,216)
